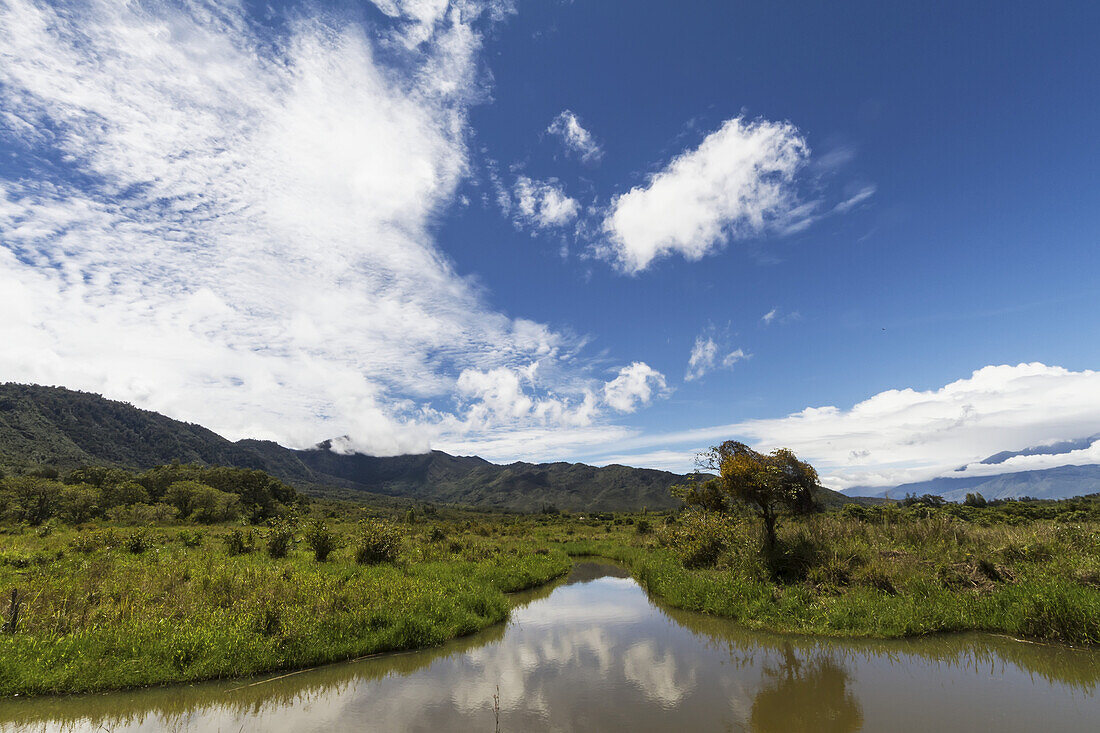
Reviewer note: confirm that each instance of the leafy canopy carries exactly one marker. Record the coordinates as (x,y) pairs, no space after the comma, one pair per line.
(766,482)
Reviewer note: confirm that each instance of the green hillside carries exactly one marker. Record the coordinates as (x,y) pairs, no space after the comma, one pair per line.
(66,429)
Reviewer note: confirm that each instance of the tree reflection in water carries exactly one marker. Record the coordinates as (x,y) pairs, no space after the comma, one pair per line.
(811,694)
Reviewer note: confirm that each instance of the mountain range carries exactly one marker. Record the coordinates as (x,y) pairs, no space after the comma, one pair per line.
(1058,482)
(54,426)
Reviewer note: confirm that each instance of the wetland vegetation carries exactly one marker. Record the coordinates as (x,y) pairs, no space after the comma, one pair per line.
(110,579)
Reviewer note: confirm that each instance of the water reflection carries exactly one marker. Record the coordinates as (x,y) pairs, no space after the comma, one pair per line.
(810,694)
(594,653)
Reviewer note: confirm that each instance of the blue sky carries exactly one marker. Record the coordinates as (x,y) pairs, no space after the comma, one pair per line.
(585,231)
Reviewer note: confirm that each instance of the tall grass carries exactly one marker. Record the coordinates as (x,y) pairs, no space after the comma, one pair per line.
(835,575)
(105,618)
(95,615)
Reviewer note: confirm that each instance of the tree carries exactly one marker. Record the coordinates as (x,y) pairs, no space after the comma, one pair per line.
(975,500)
(33,500)
(201,503)
(767,482)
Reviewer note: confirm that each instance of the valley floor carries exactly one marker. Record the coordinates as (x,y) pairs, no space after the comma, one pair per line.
(107,606)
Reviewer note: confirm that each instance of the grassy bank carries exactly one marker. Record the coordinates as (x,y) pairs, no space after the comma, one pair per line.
(905,575)
(137,600)
(109,607)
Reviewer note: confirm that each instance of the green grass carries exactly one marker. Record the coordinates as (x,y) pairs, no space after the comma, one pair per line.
(841,577)
(110,619)
(98,616)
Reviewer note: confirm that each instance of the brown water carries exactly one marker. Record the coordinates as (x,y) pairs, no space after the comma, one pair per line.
(593,653)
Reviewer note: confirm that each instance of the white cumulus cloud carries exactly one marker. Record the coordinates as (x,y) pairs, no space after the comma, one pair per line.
(635,385)
(543,204)
(737,183)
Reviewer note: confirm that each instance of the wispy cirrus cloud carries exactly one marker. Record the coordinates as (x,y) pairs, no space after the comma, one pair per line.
(235,228)
(576,139)
(704,358)
(777,316)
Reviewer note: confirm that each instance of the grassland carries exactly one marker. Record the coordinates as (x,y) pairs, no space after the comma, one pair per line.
(97,615)
(906,576)
(108,604)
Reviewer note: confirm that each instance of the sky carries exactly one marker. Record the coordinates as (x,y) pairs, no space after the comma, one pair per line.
(606,232)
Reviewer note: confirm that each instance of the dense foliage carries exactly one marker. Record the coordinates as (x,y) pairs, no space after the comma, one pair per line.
(765,483)
(189,493)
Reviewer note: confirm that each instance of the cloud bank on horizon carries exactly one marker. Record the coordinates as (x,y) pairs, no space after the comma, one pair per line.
(237,222)
(904,435)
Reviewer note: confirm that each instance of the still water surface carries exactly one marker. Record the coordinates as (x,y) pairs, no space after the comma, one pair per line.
(594,653)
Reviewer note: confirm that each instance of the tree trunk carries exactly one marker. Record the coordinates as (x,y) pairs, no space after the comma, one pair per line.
(769,529)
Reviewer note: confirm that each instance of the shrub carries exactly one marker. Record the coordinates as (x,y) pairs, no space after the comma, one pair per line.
(436,534)
(88,542)
(699,541)
(33,499)
(378,542)
(792,559)
(280,538)
(855,511)
(642,526)
(190,539)
(239,543)
(138,542)
(322,540)
(123,493)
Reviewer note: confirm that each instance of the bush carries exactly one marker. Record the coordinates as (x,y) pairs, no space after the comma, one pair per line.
(138,542)
(88,542)
(792,559)
(855,511)
(190,539)
(436,534)
(78,504)
(33,499)
(642,526)
(378,542)
(239,543)
(699,541)
(322,540)
(280,538)
(123,493)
